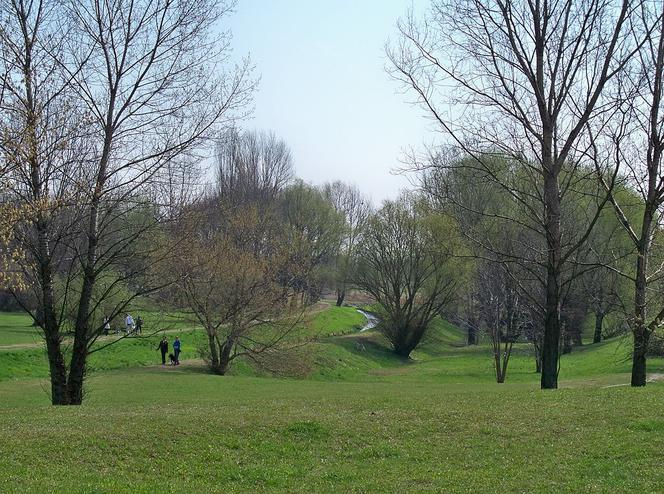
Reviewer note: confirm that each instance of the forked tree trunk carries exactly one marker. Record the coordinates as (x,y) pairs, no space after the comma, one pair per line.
(407,339)
(500,376)
(225,358)
(341,296)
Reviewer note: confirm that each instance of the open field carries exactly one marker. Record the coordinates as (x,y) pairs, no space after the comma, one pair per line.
(16,329)
(363,421)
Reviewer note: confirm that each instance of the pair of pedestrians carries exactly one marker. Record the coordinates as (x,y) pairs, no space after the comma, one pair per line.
(163,348)
(133,327)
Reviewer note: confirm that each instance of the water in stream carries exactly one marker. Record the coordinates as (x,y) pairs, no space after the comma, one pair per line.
(372,321)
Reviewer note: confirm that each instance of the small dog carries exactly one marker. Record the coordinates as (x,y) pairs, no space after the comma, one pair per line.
(171,357)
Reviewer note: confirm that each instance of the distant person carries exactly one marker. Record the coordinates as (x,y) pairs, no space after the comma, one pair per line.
(107,326)
(129,321)
(139,325)
(176,350)
(163,348)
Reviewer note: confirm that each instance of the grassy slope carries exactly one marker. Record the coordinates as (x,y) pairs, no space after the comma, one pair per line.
(16,328)
(131,352)
(365,422)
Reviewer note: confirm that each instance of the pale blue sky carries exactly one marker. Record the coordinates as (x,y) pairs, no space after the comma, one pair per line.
(324,88)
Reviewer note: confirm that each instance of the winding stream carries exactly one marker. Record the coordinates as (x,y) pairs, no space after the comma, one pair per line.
(372,320)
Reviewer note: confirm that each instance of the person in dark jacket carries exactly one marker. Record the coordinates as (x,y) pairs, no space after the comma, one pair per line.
(176,350)
(163,347)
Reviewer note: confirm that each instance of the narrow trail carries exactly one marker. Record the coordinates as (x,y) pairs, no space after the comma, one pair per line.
(652,378)
(101,339)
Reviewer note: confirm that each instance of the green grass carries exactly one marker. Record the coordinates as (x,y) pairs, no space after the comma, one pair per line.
(205,433)
(333,321)
(362,421)
(16,329)
(132,352)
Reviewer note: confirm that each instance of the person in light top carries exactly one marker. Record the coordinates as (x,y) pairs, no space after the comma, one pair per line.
(130,323)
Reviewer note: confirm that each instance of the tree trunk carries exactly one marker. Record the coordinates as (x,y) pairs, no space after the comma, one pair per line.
(341,295)
(57,370)
(640,330)
(49,321)
(500,376)
(225,358)
(472,334)
(403,351)
(77,373)
(641,337)
(567,342)
(79,357)
(214,353)
(550,344)
(599,319)
(407,339)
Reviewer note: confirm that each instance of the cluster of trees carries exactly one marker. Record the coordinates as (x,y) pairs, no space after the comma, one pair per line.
(260,247)
(104,107)
(543,206)
(557,107)
(505,297)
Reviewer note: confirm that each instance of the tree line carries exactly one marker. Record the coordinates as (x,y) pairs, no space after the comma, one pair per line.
(540,207)
(568,97)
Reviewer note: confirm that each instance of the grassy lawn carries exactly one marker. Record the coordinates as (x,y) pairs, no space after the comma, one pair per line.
(362,421)
(175,430)
(16,329)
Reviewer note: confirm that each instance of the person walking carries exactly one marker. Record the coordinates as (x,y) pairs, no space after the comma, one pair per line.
(129,321)
(176,350)
(163,347)
(107,325)
(139,325)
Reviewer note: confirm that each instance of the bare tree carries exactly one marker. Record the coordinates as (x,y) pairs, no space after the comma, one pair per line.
(252,167)
(501,312)
(110,97)
(521,79)
(634,140)
(348,201)
(229,281)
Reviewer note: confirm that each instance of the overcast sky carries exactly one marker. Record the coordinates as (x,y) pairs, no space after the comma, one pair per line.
(324,88)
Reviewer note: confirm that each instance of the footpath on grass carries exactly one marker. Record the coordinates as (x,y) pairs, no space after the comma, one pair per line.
(23,360)
(101,340)
(340,347)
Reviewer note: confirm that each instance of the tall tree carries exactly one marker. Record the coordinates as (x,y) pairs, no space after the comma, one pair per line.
(103,101)
(347,201)
(229,281)
(314,229)
(634,140)
(521,79)
(252,167)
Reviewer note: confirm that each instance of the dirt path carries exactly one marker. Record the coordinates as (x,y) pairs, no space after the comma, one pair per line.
(102,339)
(651,379)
